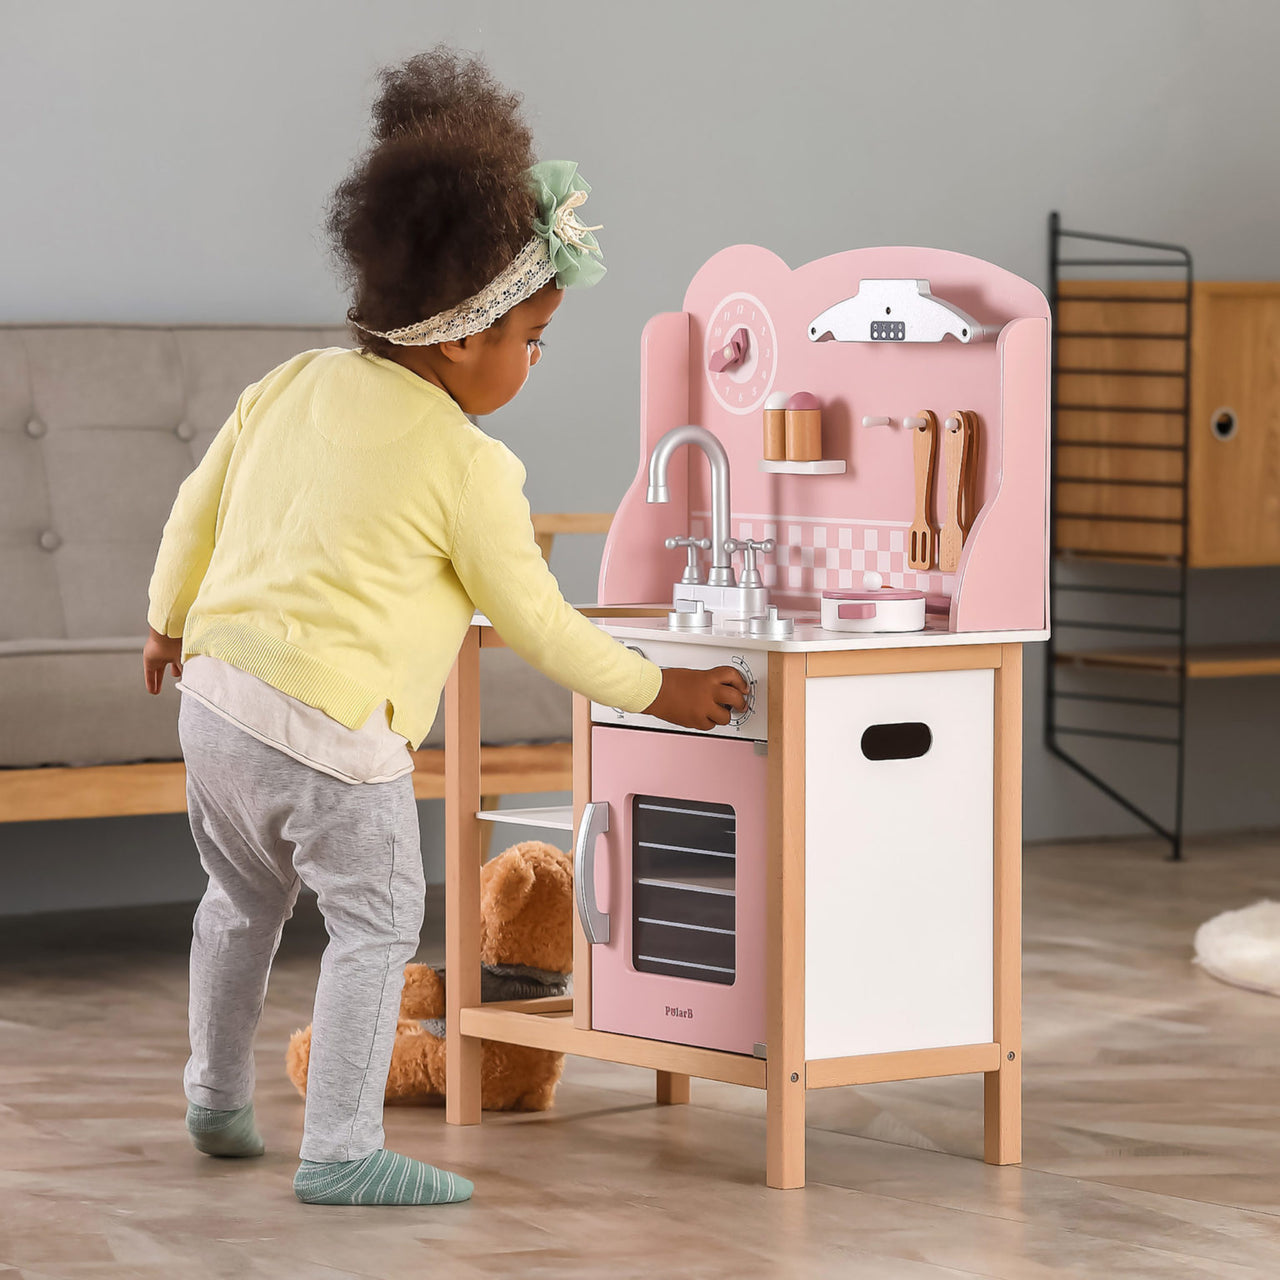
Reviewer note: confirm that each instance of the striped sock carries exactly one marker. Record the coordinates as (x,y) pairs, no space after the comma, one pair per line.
(381,1178)
(224,1133)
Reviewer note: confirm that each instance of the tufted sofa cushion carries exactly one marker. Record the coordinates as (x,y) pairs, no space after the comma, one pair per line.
(99,425)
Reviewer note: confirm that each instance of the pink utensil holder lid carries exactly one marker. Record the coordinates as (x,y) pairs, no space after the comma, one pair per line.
(876,593)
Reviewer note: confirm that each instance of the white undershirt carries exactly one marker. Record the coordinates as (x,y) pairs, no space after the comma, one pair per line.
(371,753)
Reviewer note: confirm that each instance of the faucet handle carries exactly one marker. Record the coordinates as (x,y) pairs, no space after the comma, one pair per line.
(750,574)
(692,574)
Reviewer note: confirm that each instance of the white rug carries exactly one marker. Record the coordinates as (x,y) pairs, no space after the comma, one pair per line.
(1243,947)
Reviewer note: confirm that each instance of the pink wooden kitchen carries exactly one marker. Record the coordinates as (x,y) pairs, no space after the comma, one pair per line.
(843,492)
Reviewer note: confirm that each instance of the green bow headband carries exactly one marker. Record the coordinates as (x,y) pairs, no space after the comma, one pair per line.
(559,192)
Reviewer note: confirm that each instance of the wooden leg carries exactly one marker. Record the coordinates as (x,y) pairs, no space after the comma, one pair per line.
(673,1090)
(462,880)
(784,924)
(1002,1091)
(1002,1107)
(784,1128)
(486,833)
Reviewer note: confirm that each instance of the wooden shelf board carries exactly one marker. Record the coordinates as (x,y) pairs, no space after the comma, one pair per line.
(127,790)
(1082,555)
(1204,662)
(555,1031)
(97,791)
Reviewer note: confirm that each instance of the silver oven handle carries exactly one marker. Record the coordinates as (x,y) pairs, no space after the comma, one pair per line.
(595,823)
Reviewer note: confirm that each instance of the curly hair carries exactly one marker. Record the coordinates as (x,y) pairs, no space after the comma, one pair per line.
(440,203)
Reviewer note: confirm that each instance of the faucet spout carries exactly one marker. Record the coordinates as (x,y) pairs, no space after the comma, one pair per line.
(721,572)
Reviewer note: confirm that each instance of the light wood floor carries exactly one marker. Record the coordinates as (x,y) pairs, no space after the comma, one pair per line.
(1152,1144)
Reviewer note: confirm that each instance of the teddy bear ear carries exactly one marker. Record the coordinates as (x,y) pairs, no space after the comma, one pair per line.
(507,885)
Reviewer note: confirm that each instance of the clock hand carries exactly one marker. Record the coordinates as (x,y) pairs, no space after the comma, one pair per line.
(734,352)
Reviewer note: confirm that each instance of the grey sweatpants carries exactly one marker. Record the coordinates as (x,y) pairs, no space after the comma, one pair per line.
(266,824)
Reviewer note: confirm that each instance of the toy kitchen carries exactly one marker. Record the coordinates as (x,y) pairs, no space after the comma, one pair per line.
(843,493)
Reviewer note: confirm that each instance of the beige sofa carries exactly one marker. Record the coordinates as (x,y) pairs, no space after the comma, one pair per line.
(98,427)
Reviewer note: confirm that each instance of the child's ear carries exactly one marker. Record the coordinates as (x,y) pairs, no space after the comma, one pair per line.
(508,882)
(455,351)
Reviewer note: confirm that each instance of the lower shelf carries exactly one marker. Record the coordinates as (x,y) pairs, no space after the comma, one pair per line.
(1204,662)
(548,1024)
(554,817)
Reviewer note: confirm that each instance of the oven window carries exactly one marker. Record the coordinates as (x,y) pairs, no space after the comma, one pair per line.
(684,864)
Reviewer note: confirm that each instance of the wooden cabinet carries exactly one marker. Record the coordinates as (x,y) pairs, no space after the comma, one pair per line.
(1234,483)
(1125,371)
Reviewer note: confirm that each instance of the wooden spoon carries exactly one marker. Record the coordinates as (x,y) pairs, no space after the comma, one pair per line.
(955,440)
(924,444)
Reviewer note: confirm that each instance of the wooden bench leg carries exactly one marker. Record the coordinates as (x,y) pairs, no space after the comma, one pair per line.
(673,1090)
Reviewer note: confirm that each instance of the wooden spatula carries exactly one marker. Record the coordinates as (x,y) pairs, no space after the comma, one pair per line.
(968,478)
(955,440)
(924,443)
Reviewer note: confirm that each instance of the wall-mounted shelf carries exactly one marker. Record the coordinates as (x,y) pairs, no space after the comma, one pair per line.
(1204,662)
(835,467)
(553,817)
(1164,448)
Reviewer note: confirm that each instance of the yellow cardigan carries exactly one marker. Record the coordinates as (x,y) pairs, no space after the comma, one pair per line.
(340,531)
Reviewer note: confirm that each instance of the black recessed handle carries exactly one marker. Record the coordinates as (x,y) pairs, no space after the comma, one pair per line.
(1224,424)
(908,740)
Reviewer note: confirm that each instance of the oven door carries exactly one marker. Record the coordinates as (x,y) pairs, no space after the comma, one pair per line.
(672,892)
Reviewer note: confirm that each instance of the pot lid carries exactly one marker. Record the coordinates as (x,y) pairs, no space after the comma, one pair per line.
(876,593)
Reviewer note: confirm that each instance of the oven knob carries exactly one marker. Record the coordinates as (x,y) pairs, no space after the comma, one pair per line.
(739,718)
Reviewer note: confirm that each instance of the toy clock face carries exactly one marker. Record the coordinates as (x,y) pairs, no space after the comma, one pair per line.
(741,353)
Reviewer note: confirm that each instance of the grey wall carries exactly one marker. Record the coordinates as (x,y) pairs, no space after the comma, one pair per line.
(171,162)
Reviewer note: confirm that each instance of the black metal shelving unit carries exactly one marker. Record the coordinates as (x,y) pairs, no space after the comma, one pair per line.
(1101,598)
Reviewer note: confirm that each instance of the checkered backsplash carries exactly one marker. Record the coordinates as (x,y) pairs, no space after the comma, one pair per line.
(812,556)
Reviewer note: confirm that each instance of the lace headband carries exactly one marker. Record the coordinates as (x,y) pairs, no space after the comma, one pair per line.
(561,248)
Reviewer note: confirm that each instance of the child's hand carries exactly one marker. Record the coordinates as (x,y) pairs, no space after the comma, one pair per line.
(699,699)
(160,652)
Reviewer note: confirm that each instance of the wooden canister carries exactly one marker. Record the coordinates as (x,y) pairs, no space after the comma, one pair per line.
(804,428)
(775,427)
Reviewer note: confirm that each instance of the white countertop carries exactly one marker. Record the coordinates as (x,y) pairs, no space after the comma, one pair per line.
(811,638)
(808,637)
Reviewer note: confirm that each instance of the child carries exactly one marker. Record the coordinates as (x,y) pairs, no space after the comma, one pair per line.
(316,578)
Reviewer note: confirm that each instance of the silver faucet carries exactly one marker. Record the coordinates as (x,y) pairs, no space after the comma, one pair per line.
(721,572)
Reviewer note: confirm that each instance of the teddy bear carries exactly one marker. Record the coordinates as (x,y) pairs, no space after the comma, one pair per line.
(526,952)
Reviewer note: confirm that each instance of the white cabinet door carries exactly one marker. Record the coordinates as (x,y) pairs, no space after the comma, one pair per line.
(898,862)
